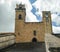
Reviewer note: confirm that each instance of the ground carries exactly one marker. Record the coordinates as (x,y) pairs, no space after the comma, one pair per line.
(29,47)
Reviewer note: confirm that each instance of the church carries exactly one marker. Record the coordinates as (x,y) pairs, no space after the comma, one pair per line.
(31,31)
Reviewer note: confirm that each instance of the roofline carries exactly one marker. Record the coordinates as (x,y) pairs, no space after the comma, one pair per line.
(55,33)
(7,33)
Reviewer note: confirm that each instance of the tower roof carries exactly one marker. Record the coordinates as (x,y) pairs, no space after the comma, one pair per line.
(20,7)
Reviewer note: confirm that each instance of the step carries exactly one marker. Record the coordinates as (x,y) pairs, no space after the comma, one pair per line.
(6,40)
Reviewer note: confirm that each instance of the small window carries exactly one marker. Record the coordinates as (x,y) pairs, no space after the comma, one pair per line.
(47,19)
(18,33)
(34,33)
(47,16)
(20,16)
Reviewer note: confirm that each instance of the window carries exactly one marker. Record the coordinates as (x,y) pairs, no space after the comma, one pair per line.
(47,16)
(34,33)
(20,16)
(18,33)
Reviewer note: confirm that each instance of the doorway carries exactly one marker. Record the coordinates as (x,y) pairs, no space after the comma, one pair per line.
(34,40)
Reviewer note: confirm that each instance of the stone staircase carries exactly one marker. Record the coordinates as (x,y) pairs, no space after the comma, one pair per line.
(57,35)
(51,41)
(6,40)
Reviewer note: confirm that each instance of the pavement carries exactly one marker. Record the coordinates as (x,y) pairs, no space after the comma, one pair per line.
(50,41)
(26,47)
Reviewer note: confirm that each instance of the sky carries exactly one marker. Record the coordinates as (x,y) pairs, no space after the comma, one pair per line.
(7,13)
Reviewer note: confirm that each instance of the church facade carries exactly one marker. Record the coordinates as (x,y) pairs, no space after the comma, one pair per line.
(31,31)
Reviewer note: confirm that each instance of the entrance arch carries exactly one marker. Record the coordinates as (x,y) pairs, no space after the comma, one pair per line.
(34,40)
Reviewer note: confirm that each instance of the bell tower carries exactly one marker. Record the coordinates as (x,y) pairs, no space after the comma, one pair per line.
(20,13)
(47,21)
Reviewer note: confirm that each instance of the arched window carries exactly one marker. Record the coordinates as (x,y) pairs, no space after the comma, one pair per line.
(47,16)
(20,16)
(34,32)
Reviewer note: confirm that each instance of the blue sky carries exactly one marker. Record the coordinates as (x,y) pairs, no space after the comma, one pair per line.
(7,13)
(32,1)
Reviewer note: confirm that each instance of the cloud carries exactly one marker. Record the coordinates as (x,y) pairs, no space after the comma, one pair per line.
(7,16)
(56,19)
(7,13)
(2,1)
(56,29)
